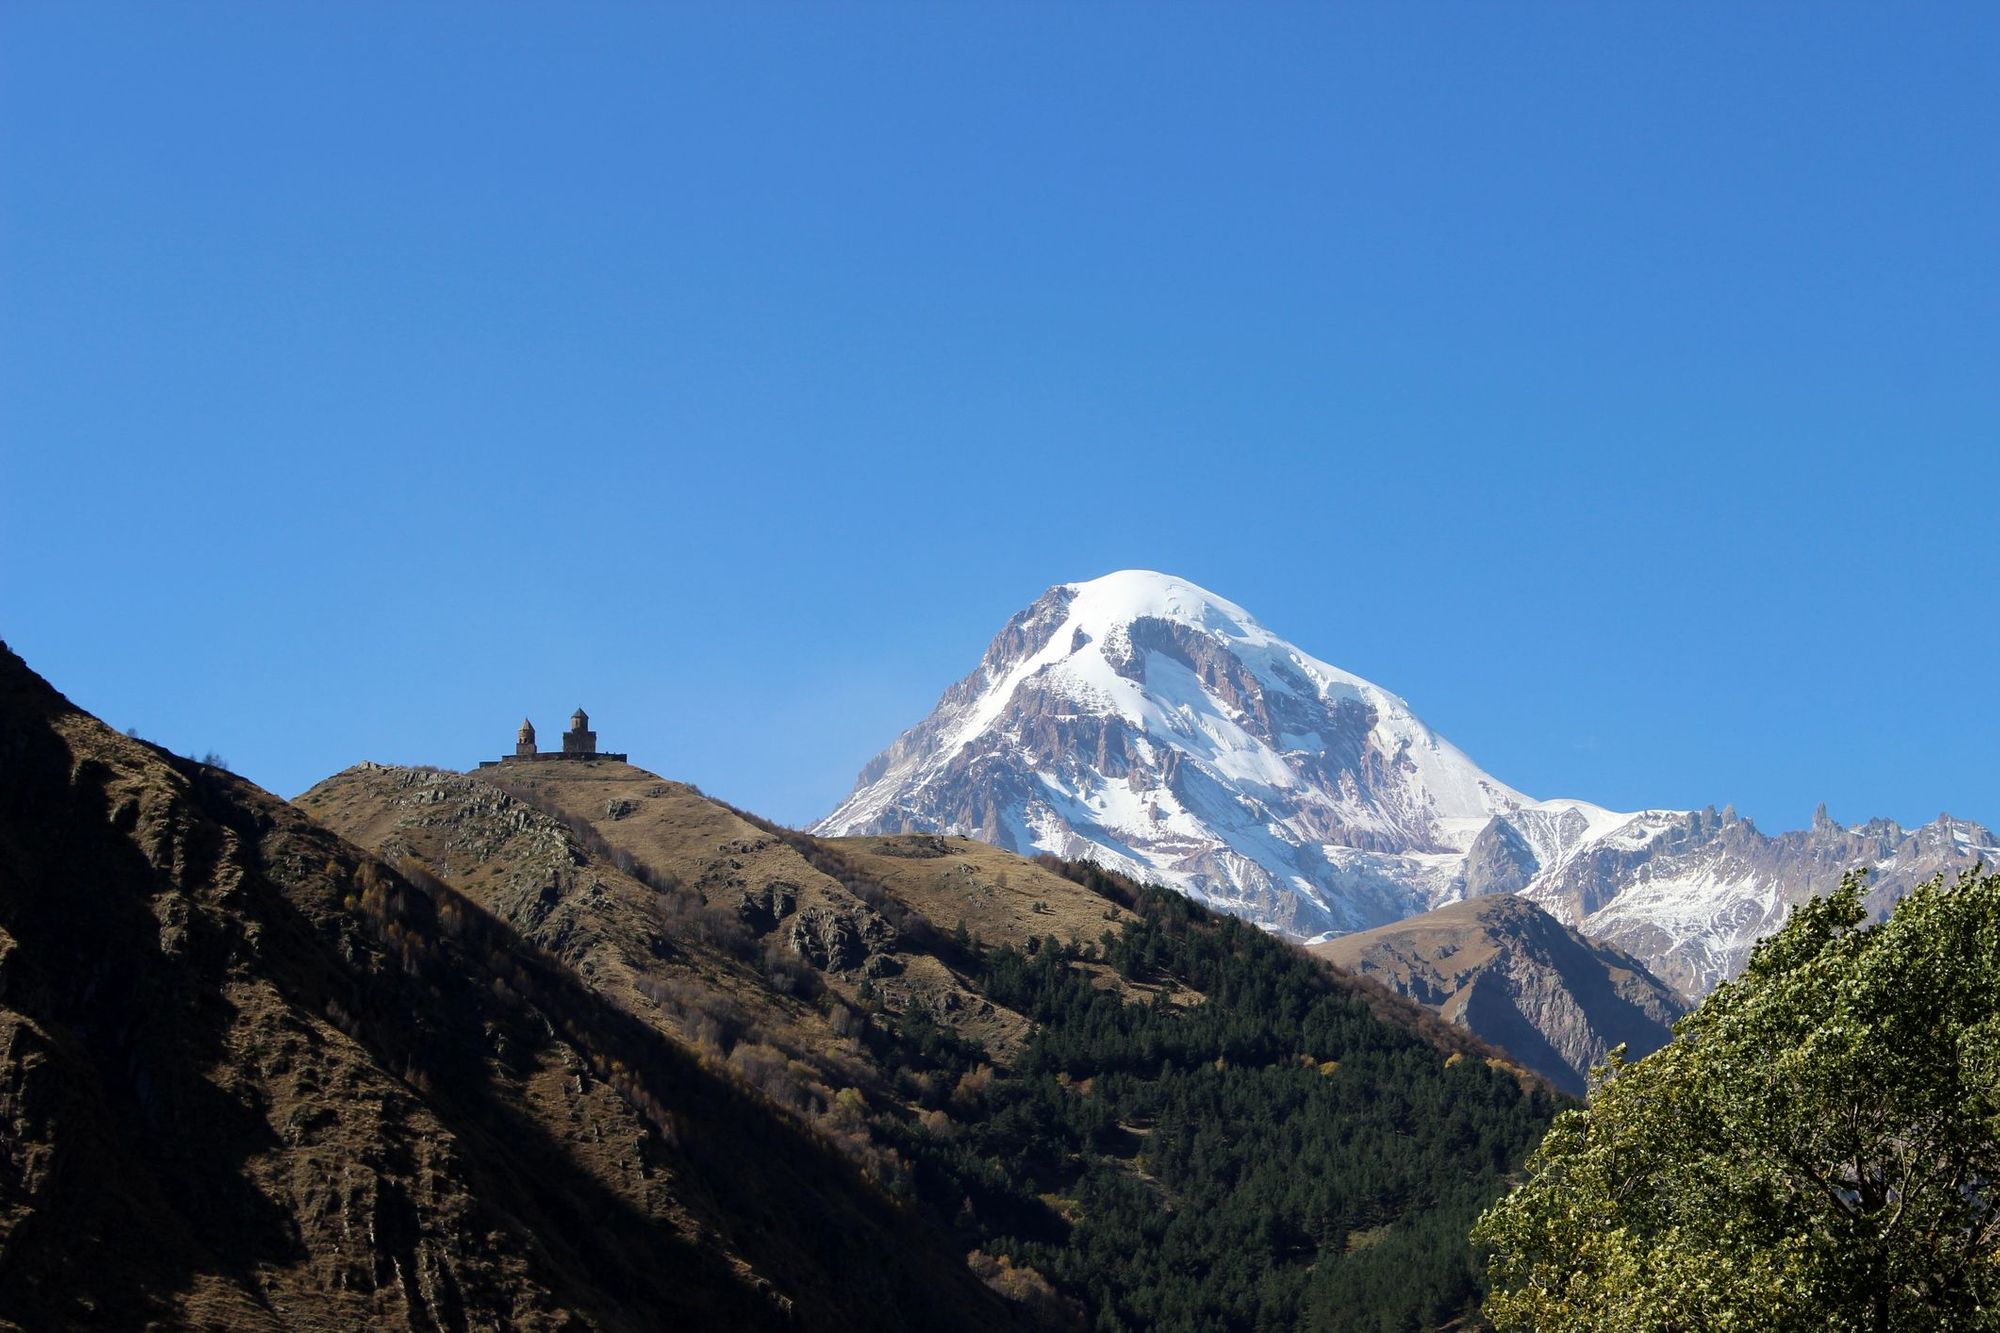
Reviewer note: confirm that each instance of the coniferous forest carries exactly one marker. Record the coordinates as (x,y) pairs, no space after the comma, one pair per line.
(1274,1156)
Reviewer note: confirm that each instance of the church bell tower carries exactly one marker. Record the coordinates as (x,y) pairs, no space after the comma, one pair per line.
(579,739)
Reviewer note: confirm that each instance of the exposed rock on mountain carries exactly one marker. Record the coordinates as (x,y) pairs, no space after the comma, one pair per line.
(1504,969)
(707,924)
(251,1077)
(1146,724)
(1693,893)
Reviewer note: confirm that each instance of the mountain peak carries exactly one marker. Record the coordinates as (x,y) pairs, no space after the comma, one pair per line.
(1503,968)
(1126,595)
(1141,720)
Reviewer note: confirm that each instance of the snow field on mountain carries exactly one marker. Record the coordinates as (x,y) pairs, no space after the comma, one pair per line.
(1139,720)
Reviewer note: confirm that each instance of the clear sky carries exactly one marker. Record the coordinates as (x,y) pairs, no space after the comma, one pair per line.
(1619,384)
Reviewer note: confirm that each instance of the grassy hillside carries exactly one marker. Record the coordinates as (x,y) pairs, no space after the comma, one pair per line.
(1131,1112)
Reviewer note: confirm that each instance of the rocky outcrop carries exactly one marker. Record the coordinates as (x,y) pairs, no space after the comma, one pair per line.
(1511,974)
(831,941)
(1499,861)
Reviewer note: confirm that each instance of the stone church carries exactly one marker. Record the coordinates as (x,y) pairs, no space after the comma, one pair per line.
(579,742)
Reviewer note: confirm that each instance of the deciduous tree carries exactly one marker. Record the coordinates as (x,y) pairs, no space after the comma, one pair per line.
(1818,1148)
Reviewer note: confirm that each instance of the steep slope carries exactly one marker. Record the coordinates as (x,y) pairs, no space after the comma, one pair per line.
(1504,969)
(729,934)
(1107,1094)
(1148,725)
(251,1077)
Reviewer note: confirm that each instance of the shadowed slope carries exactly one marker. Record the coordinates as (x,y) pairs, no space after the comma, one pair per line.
(250,1076)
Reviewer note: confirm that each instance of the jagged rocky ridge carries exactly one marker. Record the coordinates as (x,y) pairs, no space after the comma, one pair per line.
(1143,722)
(1691,893)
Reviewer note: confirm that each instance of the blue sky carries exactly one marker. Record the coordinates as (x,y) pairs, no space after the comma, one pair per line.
(1617,384)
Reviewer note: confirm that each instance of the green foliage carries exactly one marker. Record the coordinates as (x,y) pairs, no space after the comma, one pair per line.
(1816,1149)
(1274,1156)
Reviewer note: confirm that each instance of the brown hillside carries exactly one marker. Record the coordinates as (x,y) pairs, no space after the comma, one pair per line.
(733,937)
(1504,969)
(703,930)
(252,1077)
(831,977)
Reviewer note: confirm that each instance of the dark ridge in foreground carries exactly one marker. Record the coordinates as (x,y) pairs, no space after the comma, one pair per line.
(251,1077)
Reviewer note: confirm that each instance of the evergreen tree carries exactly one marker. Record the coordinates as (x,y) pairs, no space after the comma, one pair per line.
(1268,1155)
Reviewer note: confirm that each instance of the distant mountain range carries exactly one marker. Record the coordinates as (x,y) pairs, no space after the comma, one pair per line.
(1145,723)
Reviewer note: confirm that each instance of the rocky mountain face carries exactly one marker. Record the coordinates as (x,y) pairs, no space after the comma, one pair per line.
(708,925)
(253,1077)
(1691,894)
(1145,723)
(1506,970)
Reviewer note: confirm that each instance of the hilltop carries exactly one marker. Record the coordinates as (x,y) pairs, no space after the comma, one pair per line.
(1097,1089)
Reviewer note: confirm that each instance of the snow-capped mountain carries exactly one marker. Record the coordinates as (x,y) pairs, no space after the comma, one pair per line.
(1145,723)
(1692,896)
